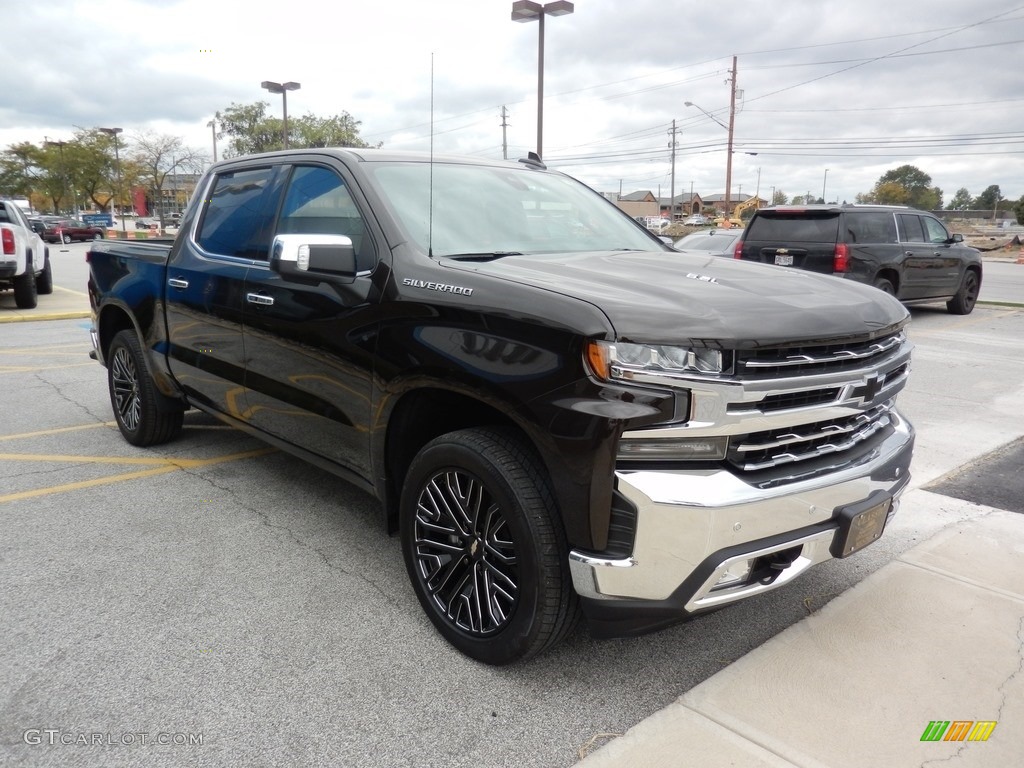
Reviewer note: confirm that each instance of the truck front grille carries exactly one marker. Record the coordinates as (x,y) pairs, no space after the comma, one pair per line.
(773,448)
(815,359)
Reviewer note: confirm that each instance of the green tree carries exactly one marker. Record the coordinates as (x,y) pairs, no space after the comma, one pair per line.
(961,200)
(906,185)
(93,168)
(19,170)
(779,197)
(251,130)
(1018,209)
(989,199)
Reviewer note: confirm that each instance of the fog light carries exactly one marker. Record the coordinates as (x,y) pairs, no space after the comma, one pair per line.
(736,574)
(663,449)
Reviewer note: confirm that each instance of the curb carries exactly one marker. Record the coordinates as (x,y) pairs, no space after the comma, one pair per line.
(48,316)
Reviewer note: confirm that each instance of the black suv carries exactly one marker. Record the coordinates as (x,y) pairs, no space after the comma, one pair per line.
(907,253)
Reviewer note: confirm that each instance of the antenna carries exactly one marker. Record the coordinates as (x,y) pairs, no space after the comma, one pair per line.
(430,204)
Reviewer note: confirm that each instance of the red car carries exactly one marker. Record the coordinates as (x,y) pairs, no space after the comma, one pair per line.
(67,230)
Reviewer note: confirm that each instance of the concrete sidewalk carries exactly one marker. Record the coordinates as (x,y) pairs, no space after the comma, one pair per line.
(935,635)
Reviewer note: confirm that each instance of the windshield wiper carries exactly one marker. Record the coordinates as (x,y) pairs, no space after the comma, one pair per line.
(482,256)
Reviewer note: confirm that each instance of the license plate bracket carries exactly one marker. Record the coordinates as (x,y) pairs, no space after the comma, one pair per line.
(860,524)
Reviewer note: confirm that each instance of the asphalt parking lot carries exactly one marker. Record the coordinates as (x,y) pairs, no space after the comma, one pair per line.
(213,602)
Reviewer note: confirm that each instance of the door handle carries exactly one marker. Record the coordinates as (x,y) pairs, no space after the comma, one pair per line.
(176,283)
(256,298)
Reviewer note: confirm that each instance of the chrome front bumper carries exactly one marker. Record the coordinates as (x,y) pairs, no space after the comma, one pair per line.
(694,527)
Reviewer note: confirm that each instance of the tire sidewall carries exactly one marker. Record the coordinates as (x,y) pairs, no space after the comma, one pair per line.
(517,636)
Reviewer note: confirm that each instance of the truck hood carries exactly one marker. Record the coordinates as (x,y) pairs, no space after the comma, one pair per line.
(670,298)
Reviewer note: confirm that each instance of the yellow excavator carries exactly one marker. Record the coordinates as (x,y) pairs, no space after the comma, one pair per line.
(736,220)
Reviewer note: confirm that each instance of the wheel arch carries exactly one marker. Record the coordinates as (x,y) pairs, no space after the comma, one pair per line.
(892,275)
(417,417)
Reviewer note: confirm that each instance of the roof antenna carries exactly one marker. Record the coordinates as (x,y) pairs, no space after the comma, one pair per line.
(430,204)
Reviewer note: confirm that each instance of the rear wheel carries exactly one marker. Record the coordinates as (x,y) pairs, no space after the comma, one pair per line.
(965,299)
(44,281)
(97,236)
(66,238)
(25,294)
(484,547)
(885,286)
(144,416)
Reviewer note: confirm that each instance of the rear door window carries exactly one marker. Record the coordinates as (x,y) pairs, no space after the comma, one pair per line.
(795,228)
(910,228)
(239,214)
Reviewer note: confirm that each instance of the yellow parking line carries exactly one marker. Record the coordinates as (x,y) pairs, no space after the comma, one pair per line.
(86,484)
(57,431)
(68,290)
(169,465)
(30,368)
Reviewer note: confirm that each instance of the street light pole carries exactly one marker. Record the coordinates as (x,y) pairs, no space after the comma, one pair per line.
(823,183)
(117,159)
(63,168)
(212,125)
(283,89)
(526,10)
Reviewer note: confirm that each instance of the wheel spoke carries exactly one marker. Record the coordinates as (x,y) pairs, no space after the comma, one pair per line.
(125,385)
(466,557)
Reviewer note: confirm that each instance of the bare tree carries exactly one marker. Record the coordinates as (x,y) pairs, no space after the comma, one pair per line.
(159,156)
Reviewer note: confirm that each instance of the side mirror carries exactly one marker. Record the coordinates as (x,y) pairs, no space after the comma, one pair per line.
(957,238)
(314,257)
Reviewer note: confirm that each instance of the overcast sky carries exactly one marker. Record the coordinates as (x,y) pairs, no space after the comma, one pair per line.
(857,88)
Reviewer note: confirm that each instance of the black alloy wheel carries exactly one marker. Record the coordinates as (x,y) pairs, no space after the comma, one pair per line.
(484,547)
(144,416)
(965,299)
(465,553)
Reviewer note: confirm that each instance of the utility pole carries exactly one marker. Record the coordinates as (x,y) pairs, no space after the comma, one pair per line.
(672,192)
(732,124)
(504,132)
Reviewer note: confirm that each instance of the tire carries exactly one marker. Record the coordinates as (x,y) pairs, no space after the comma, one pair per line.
(66,239)
(44,280)
(885,286)
(144,416)
(25,294)
(478,520)
(967,296)
(97,236)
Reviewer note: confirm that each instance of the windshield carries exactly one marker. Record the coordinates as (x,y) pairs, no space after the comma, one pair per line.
(485,210)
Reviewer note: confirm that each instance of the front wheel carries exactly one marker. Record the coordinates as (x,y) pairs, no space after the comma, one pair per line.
(965,299)
(144,415)
(484,546)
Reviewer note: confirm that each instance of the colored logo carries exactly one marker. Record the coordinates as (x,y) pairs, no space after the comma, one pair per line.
(958,730)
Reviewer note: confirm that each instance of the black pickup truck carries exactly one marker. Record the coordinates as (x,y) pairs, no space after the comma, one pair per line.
(559,413)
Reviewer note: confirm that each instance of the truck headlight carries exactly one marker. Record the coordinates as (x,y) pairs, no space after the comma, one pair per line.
(654,363)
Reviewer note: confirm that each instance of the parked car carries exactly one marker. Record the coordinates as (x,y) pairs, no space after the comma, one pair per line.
(141,223)
(68,230)
(904,252)
(556,412)
(697,220)
(24,258)
(712,242)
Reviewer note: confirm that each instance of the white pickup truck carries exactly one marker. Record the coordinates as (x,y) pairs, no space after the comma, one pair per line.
(24,257)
